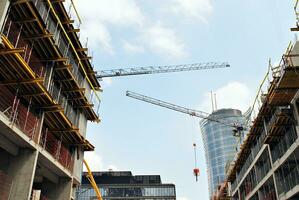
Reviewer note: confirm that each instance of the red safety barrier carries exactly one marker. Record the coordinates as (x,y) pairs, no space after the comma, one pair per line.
(5,186)
(65,158)
(57,149)
(28,122)
(6,101)
(18,114)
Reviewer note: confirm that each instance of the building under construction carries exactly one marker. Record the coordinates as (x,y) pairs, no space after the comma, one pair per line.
(48,93)
(267,165)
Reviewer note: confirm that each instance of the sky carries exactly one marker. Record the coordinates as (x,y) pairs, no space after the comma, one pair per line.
(147,139)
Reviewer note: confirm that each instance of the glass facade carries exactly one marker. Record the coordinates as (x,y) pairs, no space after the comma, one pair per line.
(125,186)
(116,192)
(220,144)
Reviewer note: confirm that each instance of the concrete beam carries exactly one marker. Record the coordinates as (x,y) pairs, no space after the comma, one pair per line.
(49,175)
(60,191)
(7,145)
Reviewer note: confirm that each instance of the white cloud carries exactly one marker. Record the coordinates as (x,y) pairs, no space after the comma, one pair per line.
(132,48)
(98,15)
(106,82)
(182,198)
(196,9)
(94,161)
(117,12)
(233,95)
(98,37)
(113,168)
(164,41)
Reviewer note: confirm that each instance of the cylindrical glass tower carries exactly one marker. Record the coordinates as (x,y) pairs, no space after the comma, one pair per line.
(220,144)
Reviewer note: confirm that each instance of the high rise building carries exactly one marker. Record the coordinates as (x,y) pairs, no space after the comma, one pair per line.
(123,185)
(48,92)
(219,144)
(267,165)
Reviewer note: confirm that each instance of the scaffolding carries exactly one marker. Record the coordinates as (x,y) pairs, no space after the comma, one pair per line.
(271,111)
(46,78)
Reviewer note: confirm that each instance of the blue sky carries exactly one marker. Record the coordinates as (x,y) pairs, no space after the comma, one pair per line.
(122,33)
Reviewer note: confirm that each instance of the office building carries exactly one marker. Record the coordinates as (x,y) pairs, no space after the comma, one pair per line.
(219,144)
(123,185)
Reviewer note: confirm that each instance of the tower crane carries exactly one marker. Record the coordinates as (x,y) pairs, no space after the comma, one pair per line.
(159,69)
(192,112)
(237,129)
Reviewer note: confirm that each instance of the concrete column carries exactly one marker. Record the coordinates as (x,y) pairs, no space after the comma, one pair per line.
(4,4)
(60,191)
(78,164)
(22,170)
(40,127)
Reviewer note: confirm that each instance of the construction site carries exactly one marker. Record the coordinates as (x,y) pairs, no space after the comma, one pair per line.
(50,91)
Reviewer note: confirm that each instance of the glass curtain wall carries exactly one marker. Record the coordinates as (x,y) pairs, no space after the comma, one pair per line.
(220,144)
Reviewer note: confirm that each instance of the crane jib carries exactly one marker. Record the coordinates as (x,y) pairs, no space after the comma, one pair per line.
(160,69)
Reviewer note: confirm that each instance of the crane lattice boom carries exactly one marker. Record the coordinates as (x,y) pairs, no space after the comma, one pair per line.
(160,69)
(192,112)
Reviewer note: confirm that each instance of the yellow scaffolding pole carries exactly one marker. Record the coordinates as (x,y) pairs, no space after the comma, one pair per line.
(74,49)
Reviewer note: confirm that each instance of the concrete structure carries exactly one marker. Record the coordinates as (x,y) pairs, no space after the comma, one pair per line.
(220,144)
(123,185)
(267,165)
(48,93)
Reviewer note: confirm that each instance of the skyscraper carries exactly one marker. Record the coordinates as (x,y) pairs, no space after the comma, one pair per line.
(220,144)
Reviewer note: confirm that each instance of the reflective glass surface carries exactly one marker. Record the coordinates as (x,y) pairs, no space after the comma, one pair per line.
(220,144)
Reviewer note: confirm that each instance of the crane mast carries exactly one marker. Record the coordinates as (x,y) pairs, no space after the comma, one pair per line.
(159,69)
(192,112)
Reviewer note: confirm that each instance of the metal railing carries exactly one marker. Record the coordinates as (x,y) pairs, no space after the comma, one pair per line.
(14,32)
(65,48)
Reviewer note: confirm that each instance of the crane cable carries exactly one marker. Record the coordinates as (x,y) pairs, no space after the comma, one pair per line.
(195,170)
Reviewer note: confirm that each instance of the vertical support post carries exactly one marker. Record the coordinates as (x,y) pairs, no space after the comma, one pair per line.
(45,140)
(57,156)
(9,26)
(46,19)
(59,92)
(30,52)
(27,114)
(14,108)
(18,38)
(265,126)
(41,122)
